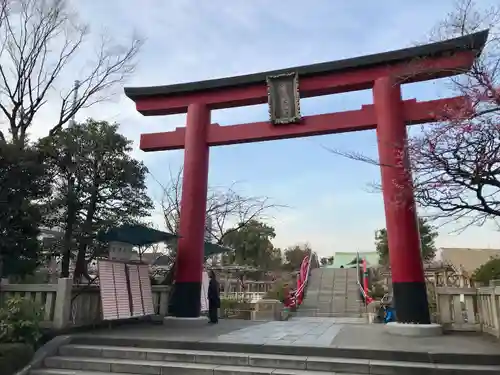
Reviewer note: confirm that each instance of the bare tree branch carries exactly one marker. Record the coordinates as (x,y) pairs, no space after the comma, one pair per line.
(40,41)
(456,162)
(228,209)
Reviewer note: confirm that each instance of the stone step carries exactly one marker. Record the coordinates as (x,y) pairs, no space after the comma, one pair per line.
(77,352)
(260,364)
(325,293)
(57,371)
(225,370)
(282,366)
(371,353)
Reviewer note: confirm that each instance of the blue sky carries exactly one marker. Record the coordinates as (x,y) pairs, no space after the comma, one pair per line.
(186,40)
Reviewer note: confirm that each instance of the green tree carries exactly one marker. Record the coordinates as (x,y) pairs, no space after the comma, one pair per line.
(294,256)
(487,272)
(96,185)
(22,186)
(275,259)
(252,245)
(428,235)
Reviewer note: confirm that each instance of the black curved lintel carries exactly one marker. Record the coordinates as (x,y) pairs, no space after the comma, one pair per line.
(473,42)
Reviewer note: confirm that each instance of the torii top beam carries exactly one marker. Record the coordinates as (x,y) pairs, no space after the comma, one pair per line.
(426,62)
(172,99)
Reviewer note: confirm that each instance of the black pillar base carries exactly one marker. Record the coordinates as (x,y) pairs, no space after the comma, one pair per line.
(185,301)
(410,302)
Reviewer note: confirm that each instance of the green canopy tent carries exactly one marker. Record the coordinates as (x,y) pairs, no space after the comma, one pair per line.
(214,249)
(140,235)
(136,235)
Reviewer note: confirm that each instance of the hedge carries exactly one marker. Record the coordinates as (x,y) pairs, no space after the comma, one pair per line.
(13,357)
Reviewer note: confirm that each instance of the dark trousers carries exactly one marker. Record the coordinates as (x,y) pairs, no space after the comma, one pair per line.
(213,314)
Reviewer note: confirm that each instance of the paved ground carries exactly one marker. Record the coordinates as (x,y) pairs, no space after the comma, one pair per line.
(374,336)
(301,331)
(309,331)
(160,332)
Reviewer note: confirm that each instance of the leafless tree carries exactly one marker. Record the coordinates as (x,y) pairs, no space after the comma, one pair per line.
(43,45)
(456,162)
(228,209)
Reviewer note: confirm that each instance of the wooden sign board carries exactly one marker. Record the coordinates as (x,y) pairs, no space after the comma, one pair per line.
(284,98)
(121,288)
(135,290)
(125,290)
(108,291)
(146,291)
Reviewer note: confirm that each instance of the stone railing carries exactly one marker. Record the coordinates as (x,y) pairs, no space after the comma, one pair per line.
(86,304)
(244,296)
(65,305)
(234,285)
(50,296)
(469,309)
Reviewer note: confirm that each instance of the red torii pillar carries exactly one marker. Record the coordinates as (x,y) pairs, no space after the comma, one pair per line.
(410,294)
(190,249)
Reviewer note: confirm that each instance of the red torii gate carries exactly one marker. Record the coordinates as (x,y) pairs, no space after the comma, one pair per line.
(384,73)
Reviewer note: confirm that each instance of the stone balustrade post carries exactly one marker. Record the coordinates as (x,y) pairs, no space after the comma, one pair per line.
(62,306)
(164,302)
(494,312)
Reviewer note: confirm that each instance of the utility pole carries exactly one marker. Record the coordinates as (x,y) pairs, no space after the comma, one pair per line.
(72,122)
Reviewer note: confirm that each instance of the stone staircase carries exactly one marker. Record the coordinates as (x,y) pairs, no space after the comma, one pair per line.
(100,356)
(332,292)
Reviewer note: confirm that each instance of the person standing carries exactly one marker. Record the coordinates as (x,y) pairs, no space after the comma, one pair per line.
(213,299)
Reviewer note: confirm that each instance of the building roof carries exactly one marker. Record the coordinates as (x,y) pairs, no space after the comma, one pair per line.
(348,259)
(140,235)
(468,260)
(209,250)
(473,42)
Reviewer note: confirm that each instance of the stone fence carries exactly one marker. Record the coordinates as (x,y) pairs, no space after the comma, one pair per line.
(469,309)
(66,305)
(244,296)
